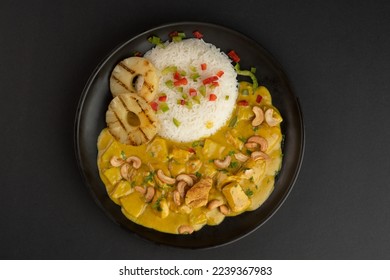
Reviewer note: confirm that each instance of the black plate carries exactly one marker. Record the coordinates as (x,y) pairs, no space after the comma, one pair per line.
(90,120)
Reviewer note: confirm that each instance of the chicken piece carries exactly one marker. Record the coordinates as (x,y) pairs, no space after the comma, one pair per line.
(198,195)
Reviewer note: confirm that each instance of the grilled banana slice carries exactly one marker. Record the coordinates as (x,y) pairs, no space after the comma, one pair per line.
(135,75)
(131,120)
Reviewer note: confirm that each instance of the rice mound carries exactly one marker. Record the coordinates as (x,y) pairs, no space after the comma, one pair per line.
(205,118)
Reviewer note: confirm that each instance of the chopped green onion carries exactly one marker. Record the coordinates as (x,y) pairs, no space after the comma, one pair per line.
(245,92)
(233,122)
(202,90)
(181,34)
(253,70)
(176,39)
(164,107)
(195,76)
(227,97)
(155,40)
(176,122)
(182,73)
(168,70)
(247,73)
(196,99)
(169,84)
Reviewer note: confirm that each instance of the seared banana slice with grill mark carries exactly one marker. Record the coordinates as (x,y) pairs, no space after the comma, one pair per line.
(131,120)
(135,75)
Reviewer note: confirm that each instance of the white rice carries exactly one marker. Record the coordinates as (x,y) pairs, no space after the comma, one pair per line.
(202,119)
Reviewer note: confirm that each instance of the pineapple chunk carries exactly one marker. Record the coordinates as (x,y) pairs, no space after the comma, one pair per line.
(158,149)
(212,149)
(134,204)
(113,175)
(122,188)
(236,197)
(180,155)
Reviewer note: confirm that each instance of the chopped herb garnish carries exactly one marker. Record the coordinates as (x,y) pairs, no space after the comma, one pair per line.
(149,177)
(231,153)
(169,84)
(233,122)
(249,192)
(248,73)
(157,204)
(233,164)
(242,139)
(123,155)
(199,143)
(198,175)
(176,122)
(155,40)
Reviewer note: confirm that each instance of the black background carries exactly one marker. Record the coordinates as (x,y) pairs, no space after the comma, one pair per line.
(337,57)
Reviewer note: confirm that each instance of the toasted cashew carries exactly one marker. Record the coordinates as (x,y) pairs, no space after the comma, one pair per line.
(185,229)
(270,119)
(251,145)
(136,161)
(224,210)
(214,204)
(140,189)
(127,172)
(149,194)
(223,163)
(241,157)
(186,178)
(177,197)
(182,188)
(116,161)
(259,155)
(263,143)
(259,116)
(164,178)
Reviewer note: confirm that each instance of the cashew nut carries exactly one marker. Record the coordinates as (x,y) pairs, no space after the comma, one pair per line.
(270,119)
(259,155)
(136,161)
(182,188)
(140,189)
(185,229)
(164,178)
(263,143)
(214,204)
(241,157)
(223,163)
(259,116)
(224,210)
(251,145)
(149,194)
(177,197)
(116,161)
(186,178)
(127,172)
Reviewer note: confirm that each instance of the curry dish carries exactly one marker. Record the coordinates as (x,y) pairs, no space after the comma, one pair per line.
(178,188)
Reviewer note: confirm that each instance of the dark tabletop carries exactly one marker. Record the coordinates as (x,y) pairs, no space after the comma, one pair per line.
(337,57)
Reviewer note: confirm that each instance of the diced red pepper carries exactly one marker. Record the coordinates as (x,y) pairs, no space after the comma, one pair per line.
(197,34)
(242,103)
(177,76)
(182,102)
(180,82)
(233,55)
(162,98)
(192,92)
(203,66)
(154,105)
(220,73)
(215,84)
(191,150)
(259,98)
(173,34)
(209,80)
(212,97)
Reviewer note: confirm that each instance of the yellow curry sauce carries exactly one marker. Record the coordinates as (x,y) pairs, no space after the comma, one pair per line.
(243,185)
